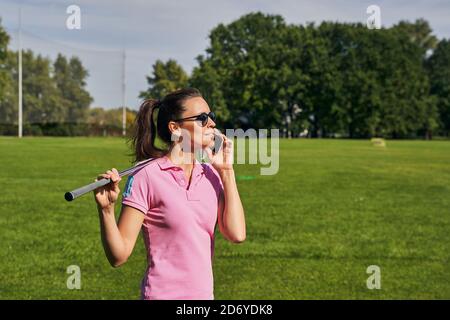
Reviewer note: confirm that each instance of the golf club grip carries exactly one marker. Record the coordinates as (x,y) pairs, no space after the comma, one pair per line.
(69,196)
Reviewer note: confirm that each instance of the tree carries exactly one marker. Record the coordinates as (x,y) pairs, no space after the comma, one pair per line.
(8,112)
(7,115)
(165,78)
(208,81)
(343,77)
(439,73)
(70,80)
(247,71)
(42,101)
(322,77)
(53,94)
(419,33)
(407,108)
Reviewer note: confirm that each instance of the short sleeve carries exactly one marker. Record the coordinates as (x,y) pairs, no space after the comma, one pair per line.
(136,193)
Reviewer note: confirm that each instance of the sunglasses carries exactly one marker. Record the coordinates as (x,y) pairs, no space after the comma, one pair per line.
(203,117)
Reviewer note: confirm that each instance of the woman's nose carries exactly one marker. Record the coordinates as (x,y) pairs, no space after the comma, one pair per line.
(211,123)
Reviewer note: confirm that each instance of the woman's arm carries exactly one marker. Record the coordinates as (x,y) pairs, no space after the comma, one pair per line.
(231,212)
(119,239)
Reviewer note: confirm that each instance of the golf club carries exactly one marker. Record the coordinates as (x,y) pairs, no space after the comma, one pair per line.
(72,195)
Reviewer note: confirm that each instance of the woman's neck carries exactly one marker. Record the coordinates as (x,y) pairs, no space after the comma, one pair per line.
(179,157)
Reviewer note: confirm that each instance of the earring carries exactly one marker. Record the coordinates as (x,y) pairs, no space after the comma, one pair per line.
(175,137)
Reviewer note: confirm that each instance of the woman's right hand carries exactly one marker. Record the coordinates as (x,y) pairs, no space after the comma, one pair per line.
(107,195)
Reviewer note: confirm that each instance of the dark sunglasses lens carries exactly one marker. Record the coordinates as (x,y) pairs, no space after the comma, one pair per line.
(203,118)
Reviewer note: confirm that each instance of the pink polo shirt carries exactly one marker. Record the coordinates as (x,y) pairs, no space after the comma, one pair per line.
(178,227)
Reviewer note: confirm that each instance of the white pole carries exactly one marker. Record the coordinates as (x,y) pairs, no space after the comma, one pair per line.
(20,72)
(124,111)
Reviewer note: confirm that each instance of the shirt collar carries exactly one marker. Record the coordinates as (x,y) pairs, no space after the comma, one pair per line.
(165,163)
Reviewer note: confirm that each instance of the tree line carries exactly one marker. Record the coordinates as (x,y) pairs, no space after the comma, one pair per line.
(327,80)
(55,98)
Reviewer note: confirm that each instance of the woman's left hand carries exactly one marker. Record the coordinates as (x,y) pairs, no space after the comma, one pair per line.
(222,160)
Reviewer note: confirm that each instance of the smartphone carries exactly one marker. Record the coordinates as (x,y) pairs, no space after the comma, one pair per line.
(218,141)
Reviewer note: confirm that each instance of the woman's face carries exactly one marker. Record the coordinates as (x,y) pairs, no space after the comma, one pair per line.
(199,136)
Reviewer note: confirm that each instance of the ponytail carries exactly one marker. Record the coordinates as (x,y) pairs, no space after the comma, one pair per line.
(143,139)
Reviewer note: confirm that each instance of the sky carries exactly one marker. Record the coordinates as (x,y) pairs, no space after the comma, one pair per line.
(119,41)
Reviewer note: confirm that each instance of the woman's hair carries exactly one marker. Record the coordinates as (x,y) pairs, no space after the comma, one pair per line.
(144,128)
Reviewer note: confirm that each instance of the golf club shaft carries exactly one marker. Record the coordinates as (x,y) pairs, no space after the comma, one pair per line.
(72,195)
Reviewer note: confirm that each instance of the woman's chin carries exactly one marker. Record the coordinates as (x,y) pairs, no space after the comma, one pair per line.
(208,144)
(208,141)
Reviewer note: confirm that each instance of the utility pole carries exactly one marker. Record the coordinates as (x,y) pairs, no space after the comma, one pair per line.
(20,73)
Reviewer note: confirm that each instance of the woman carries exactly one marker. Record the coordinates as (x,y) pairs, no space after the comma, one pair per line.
(174,199)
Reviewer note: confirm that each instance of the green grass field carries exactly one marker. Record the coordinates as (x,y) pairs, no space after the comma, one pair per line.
(334,208)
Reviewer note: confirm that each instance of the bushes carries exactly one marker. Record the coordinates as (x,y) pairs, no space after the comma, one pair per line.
(7,129)
(61,129)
